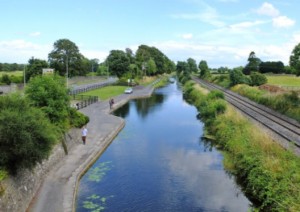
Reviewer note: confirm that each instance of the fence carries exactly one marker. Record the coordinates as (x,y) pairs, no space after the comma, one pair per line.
(89,87)
(81,101)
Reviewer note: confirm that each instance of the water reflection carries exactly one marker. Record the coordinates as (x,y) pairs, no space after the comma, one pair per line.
(158,163)
(144,107)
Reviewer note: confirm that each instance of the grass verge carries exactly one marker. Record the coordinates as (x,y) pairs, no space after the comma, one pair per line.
(107,92)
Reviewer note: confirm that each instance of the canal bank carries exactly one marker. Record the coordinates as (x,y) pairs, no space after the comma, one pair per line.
(58,191)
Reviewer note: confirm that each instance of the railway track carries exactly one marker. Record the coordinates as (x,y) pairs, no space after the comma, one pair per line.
(286,128)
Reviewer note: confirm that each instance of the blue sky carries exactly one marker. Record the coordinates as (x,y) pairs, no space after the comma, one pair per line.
(222,32)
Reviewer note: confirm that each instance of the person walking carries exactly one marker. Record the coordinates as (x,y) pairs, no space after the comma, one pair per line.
(84,134)
(111,103)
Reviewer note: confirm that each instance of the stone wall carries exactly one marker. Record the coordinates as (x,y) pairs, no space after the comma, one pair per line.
(20,189)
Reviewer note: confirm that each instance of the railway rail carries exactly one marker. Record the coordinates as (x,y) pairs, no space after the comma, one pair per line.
(285,127)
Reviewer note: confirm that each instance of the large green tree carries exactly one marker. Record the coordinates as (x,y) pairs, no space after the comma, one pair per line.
(65,57)
(271,67)
(253,64)
(151,67)
(144,53)
(118,62)
(27,136)
(192,65)
(295,59)
(35,68)
(204,70)
(51,95)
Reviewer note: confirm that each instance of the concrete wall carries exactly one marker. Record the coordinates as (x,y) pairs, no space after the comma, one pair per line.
(20,189)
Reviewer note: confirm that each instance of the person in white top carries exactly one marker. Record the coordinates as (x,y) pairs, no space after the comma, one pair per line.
(84,134)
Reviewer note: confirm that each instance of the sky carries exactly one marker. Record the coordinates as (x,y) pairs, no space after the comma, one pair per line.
(221,32)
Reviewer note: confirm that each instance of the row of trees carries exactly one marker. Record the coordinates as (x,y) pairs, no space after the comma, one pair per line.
(11,67)
(147,61)
(66,59)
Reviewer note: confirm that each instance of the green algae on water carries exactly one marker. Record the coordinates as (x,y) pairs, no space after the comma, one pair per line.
(96,174)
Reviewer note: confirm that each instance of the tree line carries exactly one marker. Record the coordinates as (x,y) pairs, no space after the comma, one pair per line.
(66,60)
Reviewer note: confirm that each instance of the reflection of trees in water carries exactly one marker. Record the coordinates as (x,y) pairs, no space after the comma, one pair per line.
(145,106)
(122,111)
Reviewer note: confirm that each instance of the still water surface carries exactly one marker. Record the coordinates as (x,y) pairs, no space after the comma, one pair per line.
(159,162)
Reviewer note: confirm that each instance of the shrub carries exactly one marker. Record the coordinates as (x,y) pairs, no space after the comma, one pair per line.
(237,77)
(27,136)
(258,79)
(5,79)
(77,119)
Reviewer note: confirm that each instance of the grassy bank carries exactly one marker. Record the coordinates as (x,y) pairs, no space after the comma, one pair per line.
(270,175)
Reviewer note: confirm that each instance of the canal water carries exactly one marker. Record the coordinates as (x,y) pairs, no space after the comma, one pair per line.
(159,162)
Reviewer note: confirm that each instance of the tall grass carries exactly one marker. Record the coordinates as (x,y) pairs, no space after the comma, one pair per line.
(287,104)
(270,175)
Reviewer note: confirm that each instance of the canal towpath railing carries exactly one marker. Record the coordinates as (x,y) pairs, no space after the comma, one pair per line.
(81,101)
(88,87)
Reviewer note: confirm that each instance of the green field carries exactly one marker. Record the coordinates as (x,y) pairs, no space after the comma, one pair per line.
(9,73)
(106,92)
(284,80)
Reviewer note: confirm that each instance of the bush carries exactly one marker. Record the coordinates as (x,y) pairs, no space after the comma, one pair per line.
(258,79)
(5,79)
(78,119)
(27,136)
(237,77)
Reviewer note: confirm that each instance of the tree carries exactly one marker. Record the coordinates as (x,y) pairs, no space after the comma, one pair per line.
(51,95)
(271,67)
(65,57)
(151,67)
(118,62)
(192,65)
(237,77)
(295,59)
(144,53)
(253,64)
(130,55)
(204,71)
(35,68)
(27,136)
(182,66)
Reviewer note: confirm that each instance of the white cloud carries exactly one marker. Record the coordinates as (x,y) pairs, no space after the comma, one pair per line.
(19,51)
(187,36)
(35,34)
(232,55)
(207,15)
(283,22)
(246,24)
(268,10)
